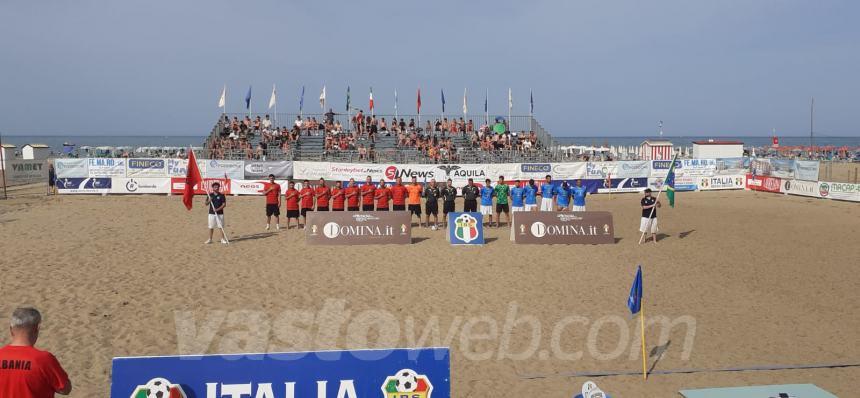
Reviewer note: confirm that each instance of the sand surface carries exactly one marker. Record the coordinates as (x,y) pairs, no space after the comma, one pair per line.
(768,280)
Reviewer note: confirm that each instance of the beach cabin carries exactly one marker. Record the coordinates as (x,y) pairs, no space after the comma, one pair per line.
(656,150)
(713,149)
(7,154)
(35,151)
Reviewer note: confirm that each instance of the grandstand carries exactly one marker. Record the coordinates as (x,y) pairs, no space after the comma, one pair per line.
(340,138)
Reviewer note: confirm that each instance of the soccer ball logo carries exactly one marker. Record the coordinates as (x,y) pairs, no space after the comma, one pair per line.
(407,381)
(158,388)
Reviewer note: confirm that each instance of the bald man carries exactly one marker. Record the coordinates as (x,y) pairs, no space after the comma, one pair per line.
(27,372)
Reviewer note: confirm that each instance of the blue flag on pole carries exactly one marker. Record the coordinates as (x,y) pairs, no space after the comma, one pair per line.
(248,99)
(634,302)
(443,101)
(531,102)
(302,100)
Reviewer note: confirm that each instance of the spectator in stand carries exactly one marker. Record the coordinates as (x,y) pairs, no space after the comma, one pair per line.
(26,371)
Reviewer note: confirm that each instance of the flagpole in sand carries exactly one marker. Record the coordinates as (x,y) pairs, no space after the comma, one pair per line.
(642,329)
(3,164)
(657,201)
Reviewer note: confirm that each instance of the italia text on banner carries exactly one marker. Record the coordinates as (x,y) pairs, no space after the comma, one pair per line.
(718,182)
(106,167)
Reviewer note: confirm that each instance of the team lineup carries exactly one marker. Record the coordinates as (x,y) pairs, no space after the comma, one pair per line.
(490,200)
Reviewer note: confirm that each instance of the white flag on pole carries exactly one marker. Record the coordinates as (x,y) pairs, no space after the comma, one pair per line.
(222,102)
(322,99)
(273,100)
(510,100)
(465,107)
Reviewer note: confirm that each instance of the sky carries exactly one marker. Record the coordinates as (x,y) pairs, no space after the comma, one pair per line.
(596,68)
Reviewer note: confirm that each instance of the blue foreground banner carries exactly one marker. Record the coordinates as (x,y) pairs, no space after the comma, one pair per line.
(391,373)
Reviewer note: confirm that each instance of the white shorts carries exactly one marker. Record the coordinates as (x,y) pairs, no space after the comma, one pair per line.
(517,208)
(487,210)
(546,204)
(530,207)
(214,219)
(643,225)
(577,208)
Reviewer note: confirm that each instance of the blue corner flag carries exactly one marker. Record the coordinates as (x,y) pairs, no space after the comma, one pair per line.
(443,101)
(248,99)
(634,302)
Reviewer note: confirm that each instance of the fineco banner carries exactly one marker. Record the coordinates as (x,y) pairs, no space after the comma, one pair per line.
(839,190)
(721,182)
(590,227)
(256,169)
(230,169)
(120,185)
(106,167)
(358,228)
(146,168)
(800,187)
(71,168)
(382,373)
(83,185)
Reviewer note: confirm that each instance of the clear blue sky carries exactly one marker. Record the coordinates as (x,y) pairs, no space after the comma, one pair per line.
(596,67)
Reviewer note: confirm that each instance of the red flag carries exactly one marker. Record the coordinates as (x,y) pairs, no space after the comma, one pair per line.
(192,178)
(419,100)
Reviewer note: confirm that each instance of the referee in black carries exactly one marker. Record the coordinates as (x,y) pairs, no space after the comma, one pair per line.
(449,195)
(470,197)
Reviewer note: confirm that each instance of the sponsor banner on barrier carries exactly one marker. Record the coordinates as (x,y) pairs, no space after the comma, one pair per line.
(106,167)
(623,185)
(281,169)
(660,168)
(310,170)
(379,373)
(465,228)
(358,228)
(839,190)
(179,167)
(254,187)
(732,166)
(633,169)
(146,168)
(140,185)
(782,168)
(698,167)
(682,183)
(763,183)
(345,171)
(595,170)
(569,171)
(230,169)
(177,186)
(71,168)
(20,171)
(806,170)
(543,227)
(799,187)
(721,182)
(535,170)
(83,185)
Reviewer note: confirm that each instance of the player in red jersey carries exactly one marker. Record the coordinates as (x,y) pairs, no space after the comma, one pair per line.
(398,195)
(337,197)
(273,202)
(367,195)
(307,201)
(322,194)
(382,196)
(291,198)
(352,196)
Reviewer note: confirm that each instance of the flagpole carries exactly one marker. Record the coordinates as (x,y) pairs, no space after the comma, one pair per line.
(642,328)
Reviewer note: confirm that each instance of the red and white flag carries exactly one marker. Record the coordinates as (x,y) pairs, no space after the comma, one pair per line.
(192,178)
(371,99)
(419,100)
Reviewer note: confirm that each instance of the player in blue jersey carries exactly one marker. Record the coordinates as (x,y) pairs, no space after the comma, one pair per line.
(578,192)
(487,193)
(530,191)
(547,192)
(517,196)
(562,196)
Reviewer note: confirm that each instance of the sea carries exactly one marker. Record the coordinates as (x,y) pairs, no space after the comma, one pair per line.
(56,141)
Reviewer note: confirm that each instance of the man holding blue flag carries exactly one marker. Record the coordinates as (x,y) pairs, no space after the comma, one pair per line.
(634,303)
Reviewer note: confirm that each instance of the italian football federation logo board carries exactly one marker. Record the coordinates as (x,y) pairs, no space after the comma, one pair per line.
(407,383)
(465,229)
(158,388)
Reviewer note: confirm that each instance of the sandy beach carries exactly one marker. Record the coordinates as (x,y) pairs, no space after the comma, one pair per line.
(766,279)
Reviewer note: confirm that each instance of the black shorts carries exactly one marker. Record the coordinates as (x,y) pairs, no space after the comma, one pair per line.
(415,209)
(470,206)
(502,208)
(305,211)
(352,208)
(431,208)
(380,208)
(399,207)
(292,214)
(448,207)
(366,207)
(341,209)
(272,210)
(322,208)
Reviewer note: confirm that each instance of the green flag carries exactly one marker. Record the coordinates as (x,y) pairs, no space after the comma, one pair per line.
(670,182)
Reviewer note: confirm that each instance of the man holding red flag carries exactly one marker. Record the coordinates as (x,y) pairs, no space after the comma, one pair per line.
(216,201)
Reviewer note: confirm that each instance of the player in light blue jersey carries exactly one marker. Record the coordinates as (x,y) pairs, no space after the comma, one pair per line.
(562,196)
(579,192)
(547,192)
(517,197)
(487,193)
(530,191)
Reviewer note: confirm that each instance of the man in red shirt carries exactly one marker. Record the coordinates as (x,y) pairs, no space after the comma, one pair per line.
(306,196)
(291,197)
(382,195)
(337,197)
(367,195)
(273,202)
(27,372)
(398,195)
(352,196)
(322,194)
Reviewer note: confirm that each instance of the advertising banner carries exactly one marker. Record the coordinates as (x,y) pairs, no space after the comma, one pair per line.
(71,168)
(254,187)
(732,166)
(839,190)
(358,228)
(698,167)
(568,171)
(800,187)
(623,185)
(389,373)
(21,171)
(595,170)
(782,168)
(682,183)
(721,182)
(359,171)
(106,167)
(590,227)
(83,185)
(281,169)
(760,166)
(177,186)
(179,167)
(806,170)
(660,168)
(146,168)
(230,169)
(537,171)
(121,185)
(458,173)
(633,169)
(311,170)
(763,183)
(465,228)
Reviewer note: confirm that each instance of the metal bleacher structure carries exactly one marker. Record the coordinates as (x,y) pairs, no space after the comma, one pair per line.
(310,145)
